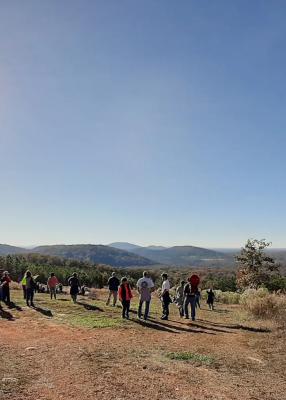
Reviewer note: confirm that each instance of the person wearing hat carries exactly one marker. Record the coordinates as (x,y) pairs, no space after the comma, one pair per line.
(113,283)
(165,296)
(5,289)
(190,291)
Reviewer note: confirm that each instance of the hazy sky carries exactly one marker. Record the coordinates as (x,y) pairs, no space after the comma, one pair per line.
(155,121)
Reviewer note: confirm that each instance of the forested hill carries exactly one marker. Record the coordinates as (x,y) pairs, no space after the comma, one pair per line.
(98,254)
(180,255)
(136,256)
(6,249)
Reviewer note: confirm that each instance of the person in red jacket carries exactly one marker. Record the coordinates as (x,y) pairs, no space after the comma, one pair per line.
(5,289)
(125,296)
(190,292)
(52,285)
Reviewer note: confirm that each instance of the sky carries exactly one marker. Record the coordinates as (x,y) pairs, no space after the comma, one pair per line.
(154,122)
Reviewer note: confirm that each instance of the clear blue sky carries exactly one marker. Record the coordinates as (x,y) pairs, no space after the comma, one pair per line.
(154,121)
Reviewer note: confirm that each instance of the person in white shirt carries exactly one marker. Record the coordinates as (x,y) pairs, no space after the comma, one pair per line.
(145,286)
(165,296)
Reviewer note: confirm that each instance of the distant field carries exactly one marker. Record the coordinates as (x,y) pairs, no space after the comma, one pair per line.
(71,351)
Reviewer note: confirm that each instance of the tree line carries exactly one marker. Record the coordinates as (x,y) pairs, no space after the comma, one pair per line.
(255,269)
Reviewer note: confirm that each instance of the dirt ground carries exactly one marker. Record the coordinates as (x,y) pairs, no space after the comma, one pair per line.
(43,358)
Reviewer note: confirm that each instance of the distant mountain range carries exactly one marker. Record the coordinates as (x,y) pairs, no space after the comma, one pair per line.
(177,255)
(122,254)
(97,254)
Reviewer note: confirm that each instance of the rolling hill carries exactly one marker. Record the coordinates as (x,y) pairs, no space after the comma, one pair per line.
(6,249)
(180,255)
(122,254)
(98,254)
(124,246)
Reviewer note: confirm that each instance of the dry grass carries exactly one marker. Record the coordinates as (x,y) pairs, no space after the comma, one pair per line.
(262,304)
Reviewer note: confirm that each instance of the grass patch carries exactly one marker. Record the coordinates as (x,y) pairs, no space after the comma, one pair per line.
(193,357)
(93,322)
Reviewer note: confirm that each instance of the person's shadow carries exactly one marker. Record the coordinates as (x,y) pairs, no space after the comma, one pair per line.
(6,314)
(90,307)
(44,311)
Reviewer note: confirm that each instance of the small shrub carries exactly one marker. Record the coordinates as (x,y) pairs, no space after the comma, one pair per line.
(262,304)
(228,297)
(250,294)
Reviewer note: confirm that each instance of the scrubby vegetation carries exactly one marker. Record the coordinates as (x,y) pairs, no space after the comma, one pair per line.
(263,304)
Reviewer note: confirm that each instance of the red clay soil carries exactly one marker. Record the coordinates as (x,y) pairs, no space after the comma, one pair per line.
(42,360)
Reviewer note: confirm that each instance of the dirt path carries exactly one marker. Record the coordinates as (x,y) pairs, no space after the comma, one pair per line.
(45,360)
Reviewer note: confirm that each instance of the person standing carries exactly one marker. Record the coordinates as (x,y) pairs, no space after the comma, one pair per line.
(198,297)
(190,291)
(30,289)
(52,285)
(113,283)
(210,299)
(5,287)
(180,296)
(23,283)
(74,286)
(165,296)
(145,286)
(125,296)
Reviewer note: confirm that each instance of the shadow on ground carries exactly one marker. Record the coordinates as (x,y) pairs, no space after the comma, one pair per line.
(89,306)
(236,326)
(44,311)
(6,314)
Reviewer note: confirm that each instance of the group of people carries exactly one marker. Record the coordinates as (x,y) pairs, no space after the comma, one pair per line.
(122,289)
(187,294)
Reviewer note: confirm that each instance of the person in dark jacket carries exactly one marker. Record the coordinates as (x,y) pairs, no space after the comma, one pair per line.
(113,283)
(74,286)
(5,288)
(210,299)
(125,296)
(30,289)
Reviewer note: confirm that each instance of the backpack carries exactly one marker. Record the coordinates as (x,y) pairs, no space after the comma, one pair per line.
(144,285)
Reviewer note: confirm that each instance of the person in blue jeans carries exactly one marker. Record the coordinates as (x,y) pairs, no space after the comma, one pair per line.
(113,284)
(190,291)
(145,287)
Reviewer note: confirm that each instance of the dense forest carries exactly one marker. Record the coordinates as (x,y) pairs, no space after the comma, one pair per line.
(96,275)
